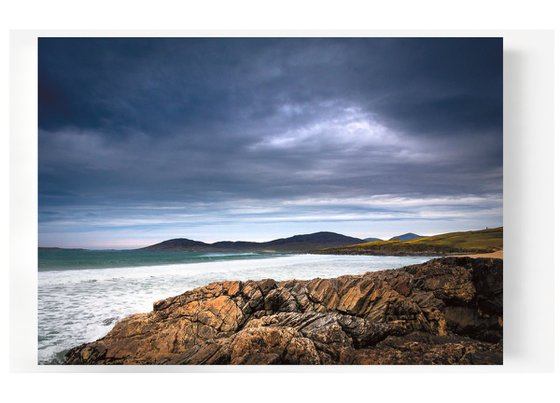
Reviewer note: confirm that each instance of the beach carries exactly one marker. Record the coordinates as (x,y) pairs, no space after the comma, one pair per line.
(499,254)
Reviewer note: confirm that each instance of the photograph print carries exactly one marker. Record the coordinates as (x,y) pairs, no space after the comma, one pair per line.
(270,201)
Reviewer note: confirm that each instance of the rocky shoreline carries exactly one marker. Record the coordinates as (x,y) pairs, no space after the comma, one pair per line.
(444,311)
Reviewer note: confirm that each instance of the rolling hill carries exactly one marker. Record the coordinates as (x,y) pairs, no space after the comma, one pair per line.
(483,241)
(306,242)
(372,239)
(409,236)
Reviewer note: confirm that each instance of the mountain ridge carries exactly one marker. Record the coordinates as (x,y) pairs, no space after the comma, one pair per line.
(372,239)
(325,242)
(303,242)
(409,236)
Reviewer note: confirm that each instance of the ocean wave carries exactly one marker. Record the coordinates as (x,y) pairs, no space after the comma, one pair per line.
(79,306)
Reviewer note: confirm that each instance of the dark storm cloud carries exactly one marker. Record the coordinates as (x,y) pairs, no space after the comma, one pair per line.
(200,123)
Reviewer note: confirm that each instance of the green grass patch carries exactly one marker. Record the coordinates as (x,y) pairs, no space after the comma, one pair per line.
(487,240)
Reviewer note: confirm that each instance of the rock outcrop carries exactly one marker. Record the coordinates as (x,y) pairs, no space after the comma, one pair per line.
(445,311)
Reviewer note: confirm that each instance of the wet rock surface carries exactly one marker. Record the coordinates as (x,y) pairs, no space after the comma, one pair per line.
(445,311)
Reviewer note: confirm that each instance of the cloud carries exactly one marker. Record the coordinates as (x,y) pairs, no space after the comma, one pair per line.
(281,126)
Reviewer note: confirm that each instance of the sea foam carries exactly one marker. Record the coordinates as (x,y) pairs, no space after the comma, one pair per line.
(79,306)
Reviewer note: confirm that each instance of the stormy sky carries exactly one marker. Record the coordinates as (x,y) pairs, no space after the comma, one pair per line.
(145,139)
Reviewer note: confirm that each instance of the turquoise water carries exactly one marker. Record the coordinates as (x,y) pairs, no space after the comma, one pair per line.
(82,294)
(76,259)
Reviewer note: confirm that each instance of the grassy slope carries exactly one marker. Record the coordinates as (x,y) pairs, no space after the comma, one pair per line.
(454,242)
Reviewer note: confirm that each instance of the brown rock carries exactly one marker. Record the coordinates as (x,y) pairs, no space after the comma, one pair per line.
(256,345)
(445,311)
(428,349)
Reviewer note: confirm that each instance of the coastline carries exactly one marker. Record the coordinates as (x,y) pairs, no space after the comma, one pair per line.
(79,306)
(444,311)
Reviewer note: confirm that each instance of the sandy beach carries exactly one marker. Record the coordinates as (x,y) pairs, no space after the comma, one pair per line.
(499,254)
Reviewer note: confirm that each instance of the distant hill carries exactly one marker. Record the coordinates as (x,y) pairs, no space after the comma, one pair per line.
(312,241)
(483,241)
(179,244)
(406,237)
(306,242)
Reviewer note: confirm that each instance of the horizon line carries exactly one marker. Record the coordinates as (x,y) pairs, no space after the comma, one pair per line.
(260,242)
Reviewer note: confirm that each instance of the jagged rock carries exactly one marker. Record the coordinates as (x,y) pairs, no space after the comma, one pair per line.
(426,348)
(445,311)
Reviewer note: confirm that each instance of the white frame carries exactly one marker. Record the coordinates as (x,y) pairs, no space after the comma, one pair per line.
(528,202)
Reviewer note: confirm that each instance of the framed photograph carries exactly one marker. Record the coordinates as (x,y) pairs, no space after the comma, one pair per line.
(270,200)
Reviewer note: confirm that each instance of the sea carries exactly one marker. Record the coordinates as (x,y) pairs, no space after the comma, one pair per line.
(83,293)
